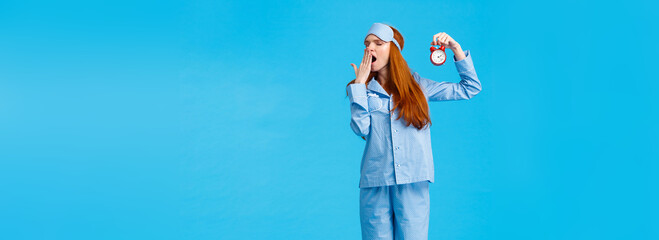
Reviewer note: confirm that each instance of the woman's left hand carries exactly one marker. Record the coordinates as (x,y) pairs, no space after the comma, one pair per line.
(445,40)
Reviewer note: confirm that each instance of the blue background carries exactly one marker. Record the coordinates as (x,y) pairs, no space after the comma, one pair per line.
(227,120)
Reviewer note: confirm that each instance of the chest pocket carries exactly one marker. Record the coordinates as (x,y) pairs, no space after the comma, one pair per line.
(375,103)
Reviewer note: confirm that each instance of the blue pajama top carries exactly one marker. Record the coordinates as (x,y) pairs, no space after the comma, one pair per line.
(395,153)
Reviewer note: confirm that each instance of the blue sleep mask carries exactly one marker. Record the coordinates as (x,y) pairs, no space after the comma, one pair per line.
(384,32)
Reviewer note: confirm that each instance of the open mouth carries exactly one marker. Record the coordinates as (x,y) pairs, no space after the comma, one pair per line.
(373,58)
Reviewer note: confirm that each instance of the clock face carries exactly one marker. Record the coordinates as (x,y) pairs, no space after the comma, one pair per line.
(438,56)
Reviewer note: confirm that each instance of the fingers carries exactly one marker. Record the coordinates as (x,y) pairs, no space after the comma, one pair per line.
(441,39)
(370,60)
(367,58)
(364,69)
(435,38)
(365,65)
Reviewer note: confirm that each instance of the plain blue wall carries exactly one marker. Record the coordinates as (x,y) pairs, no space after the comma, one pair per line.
(228,120)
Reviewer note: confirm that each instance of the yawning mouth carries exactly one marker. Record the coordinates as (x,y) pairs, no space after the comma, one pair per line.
(373,58)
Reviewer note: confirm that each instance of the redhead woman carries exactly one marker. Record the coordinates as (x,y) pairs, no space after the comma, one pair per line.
(389,109)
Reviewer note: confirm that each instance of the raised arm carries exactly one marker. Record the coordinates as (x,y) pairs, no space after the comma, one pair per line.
(360,117)
(468,86)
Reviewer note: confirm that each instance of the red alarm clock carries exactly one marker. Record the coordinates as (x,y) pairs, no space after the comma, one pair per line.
(437,55)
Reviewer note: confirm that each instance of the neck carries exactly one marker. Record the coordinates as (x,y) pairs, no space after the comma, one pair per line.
(383,75)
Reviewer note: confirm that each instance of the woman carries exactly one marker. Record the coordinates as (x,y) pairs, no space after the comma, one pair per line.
(389,109)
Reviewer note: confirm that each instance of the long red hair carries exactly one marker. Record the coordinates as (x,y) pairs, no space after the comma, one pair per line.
(406,92)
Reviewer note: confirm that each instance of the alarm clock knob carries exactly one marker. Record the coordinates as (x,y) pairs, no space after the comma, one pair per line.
(441,48)
(432,49)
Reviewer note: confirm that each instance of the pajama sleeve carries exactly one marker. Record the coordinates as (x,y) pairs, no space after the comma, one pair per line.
(360,117)
(468,86)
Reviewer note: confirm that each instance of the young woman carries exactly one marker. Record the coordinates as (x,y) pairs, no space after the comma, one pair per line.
(389,109)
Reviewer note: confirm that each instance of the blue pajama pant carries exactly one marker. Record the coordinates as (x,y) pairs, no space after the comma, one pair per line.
(395,212)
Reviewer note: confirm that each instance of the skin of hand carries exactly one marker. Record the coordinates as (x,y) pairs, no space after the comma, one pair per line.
(364,69)
(447,41)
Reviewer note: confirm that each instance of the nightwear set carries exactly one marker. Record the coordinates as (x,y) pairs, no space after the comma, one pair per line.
(397,164)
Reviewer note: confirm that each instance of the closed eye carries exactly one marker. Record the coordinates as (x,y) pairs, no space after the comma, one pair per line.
(376,43)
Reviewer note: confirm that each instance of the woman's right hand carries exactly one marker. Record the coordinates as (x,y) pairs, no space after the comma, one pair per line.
(361,73)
